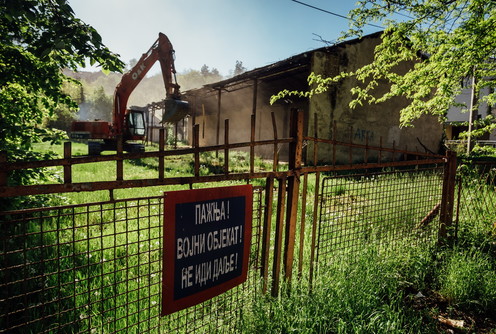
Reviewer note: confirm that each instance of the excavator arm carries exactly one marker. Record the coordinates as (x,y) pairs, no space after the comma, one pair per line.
(162,51)
(130,124)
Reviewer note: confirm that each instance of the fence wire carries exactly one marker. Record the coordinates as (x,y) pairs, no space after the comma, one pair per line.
(476,209)
(97,268)
(385,208)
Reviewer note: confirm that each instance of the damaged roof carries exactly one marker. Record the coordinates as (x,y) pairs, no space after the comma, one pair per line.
(288,64)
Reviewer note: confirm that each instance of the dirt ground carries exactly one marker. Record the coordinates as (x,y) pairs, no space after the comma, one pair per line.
(449,319)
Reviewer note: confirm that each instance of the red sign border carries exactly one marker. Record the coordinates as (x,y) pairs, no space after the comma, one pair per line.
(171,198)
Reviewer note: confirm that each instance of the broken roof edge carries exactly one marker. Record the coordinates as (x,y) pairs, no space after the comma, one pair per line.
(297,60)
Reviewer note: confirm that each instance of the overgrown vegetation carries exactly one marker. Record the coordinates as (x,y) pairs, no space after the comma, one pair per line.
(412,291)
(415,288)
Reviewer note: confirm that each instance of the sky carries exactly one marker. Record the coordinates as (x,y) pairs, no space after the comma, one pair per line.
(216,33)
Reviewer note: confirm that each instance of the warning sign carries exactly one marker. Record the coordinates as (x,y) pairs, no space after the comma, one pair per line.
(207,235)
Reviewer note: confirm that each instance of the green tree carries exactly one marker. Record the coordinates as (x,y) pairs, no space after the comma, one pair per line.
(100,105)
(38,39)
(210,75)
(239,68)
(447,40)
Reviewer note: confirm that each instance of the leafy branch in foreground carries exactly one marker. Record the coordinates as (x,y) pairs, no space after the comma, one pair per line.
(38,40)
(446,41)
(317,82)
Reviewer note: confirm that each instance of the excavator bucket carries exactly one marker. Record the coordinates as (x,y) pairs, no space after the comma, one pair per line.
(174,110)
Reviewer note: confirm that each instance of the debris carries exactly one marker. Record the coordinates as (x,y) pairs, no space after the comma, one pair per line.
(419,295)
(451,322)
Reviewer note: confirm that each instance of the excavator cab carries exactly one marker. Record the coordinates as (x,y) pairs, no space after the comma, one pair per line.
(135,120)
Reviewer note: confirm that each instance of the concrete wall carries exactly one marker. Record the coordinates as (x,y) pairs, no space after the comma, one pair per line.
(377,123)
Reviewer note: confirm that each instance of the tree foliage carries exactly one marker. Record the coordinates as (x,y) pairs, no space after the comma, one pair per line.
(239,68)
(447,40)
(100,105)
(38,39)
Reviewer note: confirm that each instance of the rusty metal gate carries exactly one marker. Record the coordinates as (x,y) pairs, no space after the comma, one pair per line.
(96,267)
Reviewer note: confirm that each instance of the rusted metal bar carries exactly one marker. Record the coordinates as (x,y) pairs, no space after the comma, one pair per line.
(302,224)
(314,228)
(150,127)
(330,168)
(193,117)
(252,141)
(217,134)
(67,167)
(276,267)
(204,121)
(430,216)
(372,148)
(119,160)
(226,150)
(196,152)
(113,157)
(295,163)
(316,135)
(161,148)
(267,223)
(255,95)
(448,197)
(59,207)
(458,199)
(275,159)
(8,191)
(154,154)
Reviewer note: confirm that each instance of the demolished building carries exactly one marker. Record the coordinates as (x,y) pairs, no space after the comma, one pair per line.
(327,115)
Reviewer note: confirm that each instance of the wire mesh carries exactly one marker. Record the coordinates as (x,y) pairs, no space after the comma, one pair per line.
(385,208)
(97,268)
(476,213)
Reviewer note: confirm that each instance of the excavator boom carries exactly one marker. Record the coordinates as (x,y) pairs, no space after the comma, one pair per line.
(161,51)
(130,124)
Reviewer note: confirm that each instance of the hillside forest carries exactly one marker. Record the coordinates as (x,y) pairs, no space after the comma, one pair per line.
(94,94)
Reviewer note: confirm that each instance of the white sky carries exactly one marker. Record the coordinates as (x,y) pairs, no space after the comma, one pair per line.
(215,32)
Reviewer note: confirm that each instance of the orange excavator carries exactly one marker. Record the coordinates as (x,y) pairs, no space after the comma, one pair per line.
(130,122)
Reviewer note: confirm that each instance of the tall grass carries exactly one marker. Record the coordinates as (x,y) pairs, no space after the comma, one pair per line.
(356,293)
(467,280)
(106,266)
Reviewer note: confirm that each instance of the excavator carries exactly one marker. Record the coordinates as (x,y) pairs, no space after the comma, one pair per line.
(130,122)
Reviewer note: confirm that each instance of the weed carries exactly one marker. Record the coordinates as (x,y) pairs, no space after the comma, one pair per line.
(468,280)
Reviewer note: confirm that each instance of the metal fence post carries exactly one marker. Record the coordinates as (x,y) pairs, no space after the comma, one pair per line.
(161,149)
(448,196)
(120,161)
(67,162)
(295,163)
